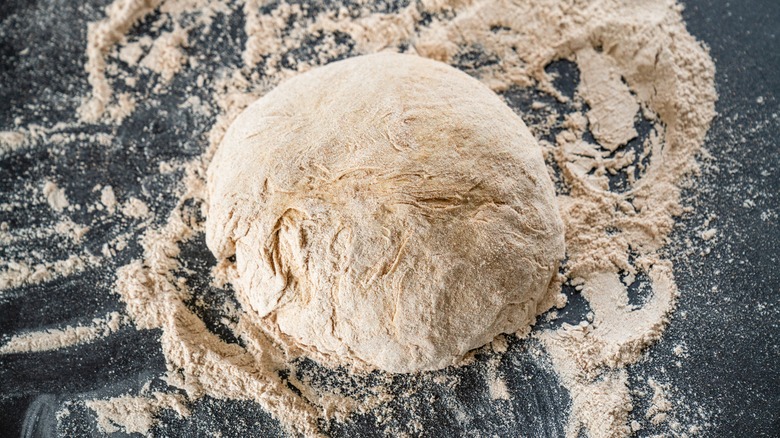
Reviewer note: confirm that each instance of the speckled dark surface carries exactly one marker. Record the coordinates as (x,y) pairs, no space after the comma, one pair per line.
(728,316)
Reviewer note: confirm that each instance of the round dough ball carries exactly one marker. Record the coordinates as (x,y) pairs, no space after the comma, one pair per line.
(385,212)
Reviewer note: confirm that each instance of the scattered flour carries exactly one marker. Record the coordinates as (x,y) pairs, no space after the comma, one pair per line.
(55,196)
(134,414)
(108,198)
(19,273)
(135,208)
(53,339)
(657,413)
(71,229)
(11,141)
(636,60)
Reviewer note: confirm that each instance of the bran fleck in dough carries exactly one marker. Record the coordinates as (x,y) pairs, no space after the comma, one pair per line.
(387,211)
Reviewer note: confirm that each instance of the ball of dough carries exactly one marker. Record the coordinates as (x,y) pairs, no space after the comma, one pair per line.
(385,212)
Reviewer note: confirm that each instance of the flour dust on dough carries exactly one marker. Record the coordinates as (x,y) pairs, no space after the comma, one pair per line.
(385,212)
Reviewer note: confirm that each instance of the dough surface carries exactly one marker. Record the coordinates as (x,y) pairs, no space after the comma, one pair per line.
(385,212)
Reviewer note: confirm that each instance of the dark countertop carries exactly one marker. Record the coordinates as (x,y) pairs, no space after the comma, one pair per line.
(728,315)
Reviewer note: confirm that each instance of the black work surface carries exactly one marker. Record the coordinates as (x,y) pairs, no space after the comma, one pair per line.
(728,316)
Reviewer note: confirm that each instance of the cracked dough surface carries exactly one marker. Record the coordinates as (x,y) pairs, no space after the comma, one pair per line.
(385,212)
